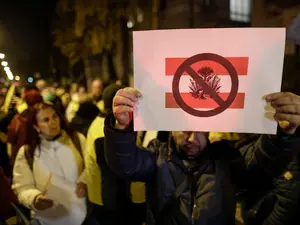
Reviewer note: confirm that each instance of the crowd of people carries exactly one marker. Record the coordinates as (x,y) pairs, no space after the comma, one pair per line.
(53,157)
(70,157)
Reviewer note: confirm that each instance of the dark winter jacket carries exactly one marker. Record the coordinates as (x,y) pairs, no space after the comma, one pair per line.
(272,201)
(202,194)
(277,203)
(287,192)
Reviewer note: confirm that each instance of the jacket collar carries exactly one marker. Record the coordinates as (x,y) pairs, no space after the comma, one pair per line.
(62,137)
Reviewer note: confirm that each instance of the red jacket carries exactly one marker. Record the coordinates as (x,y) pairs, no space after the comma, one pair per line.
(16,134)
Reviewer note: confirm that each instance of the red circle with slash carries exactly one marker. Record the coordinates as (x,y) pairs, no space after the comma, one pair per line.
(186,67)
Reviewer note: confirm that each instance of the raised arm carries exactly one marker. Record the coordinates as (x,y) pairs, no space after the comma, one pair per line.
(269,155)
(124,157)
(122,154)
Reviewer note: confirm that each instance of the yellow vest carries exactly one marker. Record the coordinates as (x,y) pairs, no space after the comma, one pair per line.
(100,105)
(8,98)
(22,107)
(72,110)
(218,136)
(93,172)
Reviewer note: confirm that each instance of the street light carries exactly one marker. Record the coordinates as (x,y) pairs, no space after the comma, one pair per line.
(130,24)
(17,78)
(6,68)
(2,56)
(9,74)
(4,63)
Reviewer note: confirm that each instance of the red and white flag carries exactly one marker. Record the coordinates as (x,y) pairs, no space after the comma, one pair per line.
(256,55)
(239,63)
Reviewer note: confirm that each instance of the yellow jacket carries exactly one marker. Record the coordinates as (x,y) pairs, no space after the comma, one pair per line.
(218,136)
(93,172)
(100,105)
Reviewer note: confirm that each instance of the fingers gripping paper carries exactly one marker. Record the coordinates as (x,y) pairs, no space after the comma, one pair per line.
(207,79)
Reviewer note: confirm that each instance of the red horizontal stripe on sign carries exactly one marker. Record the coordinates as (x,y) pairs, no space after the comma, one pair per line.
(208,103)
(239,63)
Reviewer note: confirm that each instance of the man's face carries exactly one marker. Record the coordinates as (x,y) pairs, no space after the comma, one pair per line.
(191,143)
(81,91)
(97,88)
(53,89)
(40,84)
(45,92)
(4,90)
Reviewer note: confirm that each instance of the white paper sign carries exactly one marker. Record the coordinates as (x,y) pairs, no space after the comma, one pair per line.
(207,79)
(67,209)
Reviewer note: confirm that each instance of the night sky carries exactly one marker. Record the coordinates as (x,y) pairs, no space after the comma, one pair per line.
(25,34)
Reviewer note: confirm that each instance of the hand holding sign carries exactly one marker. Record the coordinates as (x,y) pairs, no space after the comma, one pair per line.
(287,106)
(42,202)
(123,105)
(81,190)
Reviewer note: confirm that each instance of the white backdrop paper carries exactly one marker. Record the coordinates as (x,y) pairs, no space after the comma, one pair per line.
(264,48)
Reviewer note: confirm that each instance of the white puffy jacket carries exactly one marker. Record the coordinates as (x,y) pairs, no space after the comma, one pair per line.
(57,166)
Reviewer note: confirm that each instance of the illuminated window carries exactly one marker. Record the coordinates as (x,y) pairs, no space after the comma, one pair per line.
(240,10)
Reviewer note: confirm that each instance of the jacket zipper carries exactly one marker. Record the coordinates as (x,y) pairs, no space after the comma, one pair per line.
(193,193)
(194,210)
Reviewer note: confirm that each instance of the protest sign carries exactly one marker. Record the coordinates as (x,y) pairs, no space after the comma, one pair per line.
(207,79)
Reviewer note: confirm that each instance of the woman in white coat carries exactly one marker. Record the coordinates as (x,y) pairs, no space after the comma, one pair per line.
(47,174)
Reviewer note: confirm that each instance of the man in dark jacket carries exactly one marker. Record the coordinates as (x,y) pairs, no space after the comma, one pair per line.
(276,201)
(115,200)
(188,180)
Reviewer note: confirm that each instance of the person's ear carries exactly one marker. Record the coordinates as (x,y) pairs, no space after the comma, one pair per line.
(36,128)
